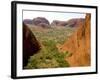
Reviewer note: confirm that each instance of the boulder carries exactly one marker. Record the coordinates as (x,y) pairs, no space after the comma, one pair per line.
(30,44)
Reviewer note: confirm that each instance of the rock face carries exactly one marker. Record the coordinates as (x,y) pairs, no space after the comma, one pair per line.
(41,21)
(59,23)
(71,22)
(78,45)
(30,44)
(27,21)
(75,22)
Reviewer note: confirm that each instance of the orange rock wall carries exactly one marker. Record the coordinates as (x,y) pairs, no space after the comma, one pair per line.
(79,45)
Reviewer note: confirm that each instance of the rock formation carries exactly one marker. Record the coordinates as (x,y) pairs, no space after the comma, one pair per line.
(59,23)
(78,45)
(75,22)
(41,21)
(71,23)
(30,44)
(27,21)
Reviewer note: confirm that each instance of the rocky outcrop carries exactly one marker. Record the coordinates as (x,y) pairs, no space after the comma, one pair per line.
(75,22)
(41,21)
(59,23)
(71,23)
(30,44)
(27,21)
(78,45)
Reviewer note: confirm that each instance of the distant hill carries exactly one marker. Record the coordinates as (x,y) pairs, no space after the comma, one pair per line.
(41,21)
(58,23)
(27,21)
(71,23)
(75,22)
(44,23)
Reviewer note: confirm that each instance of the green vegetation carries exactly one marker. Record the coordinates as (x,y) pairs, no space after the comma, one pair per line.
(48,56)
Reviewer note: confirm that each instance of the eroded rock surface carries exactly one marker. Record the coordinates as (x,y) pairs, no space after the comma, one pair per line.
(78,45)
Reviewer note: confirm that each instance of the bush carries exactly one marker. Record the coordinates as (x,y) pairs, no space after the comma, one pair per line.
(48,57)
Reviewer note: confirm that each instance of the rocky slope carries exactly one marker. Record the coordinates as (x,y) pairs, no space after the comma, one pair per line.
(30,44)
(78,45)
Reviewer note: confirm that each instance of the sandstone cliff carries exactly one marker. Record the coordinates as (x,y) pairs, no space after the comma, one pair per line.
(78,45)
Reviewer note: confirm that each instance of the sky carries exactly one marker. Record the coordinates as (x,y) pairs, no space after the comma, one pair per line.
(63,16)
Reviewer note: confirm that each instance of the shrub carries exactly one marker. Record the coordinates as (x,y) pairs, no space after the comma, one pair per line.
(48,57)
